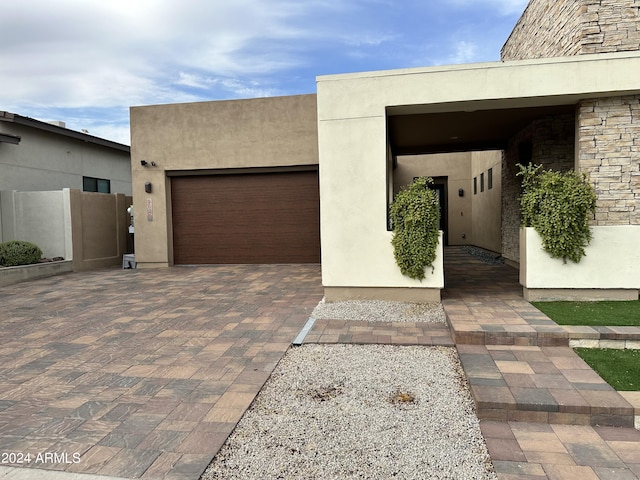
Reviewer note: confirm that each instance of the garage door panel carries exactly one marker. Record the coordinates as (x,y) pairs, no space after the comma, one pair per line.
(250,218)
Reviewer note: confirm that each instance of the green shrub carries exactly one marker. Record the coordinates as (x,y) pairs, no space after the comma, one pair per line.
(415,215)
(558,205)
(18,252)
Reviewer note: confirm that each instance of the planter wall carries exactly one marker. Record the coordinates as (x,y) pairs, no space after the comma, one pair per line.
(23,273)
(608,271)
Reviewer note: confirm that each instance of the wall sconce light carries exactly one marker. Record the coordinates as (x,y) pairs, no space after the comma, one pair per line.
(143,163)
(460,192)
(147,187)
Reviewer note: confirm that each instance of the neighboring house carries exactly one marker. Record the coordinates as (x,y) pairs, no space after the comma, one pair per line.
(37,156)
(48,174)
(566,94)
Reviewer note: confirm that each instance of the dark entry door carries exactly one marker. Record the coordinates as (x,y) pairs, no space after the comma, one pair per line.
(440,186)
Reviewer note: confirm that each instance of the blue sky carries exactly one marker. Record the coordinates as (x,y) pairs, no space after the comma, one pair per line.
(85,62)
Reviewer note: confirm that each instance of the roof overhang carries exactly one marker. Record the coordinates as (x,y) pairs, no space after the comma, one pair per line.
(473,106)
(48,127)
(412,134)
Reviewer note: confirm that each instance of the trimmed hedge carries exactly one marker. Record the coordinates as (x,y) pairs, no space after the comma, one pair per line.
(18,252)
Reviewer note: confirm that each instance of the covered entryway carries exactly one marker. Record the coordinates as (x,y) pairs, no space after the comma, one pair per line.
(367,121)
(248,217)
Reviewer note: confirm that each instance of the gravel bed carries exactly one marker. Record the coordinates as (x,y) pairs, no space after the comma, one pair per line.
(359,411)
(380,311)
(483,255)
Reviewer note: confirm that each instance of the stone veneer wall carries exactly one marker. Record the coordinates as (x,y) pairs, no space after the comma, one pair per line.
(609,151)
(552,141)
(547,28)
(610,26)
(608,129)
(556,28)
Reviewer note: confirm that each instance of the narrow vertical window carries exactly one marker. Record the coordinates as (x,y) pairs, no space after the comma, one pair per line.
(482,182)
(490,178)
(475,185)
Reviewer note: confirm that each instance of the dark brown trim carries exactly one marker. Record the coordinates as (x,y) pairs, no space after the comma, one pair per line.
(236,171)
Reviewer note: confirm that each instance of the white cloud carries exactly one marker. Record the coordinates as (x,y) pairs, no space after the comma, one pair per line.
(239,88)
(77,54)
(464,52)
(367,39)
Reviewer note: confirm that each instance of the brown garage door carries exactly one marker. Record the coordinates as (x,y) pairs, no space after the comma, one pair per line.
(246,218)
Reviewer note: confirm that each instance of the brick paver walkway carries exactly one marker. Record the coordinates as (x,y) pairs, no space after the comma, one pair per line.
(541,406)
(387,333)
(142,373)
(145,373)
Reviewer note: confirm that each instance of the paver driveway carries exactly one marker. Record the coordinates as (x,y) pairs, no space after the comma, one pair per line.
(142,373)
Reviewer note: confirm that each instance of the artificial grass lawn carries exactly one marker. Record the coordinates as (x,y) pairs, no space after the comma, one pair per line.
(605,313)
(619,368)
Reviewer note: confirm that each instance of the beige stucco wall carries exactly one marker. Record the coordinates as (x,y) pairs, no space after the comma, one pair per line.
(353,147)
(88,228)
(194,138)
(486,211)
(611,261)
(46,161)
(99,224)
(457,168)
(472,219)
(43,218)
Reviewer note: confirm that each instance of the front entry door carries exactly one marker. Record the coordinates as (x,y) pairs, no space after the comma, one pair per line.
(440,186)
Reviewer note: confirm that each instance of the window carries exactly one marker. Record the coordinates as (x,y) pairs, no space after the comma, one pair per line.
(482,182)
(490,178)
(100,185)
(475,185)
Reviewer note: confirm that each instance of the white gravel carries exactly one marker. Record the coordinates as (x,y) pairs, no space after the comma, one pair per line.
(359,411)
(380,311)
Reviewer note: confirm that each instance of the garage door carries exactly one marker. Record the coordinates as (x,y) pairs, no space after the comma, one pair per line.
(246,218)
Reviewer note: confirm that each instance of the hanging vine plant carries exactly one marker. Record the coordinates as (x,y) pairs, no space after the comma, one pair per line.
(415,216)
(558,205)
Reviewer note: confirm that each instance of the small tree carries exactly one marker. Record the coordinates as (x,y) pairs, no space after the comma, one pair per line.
(558,205)
(415,215)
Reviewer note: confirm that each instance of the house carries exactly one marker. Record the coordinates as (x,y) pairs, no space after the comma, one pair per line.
(237,182)
(565,95)
(37,156)
(226,182)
